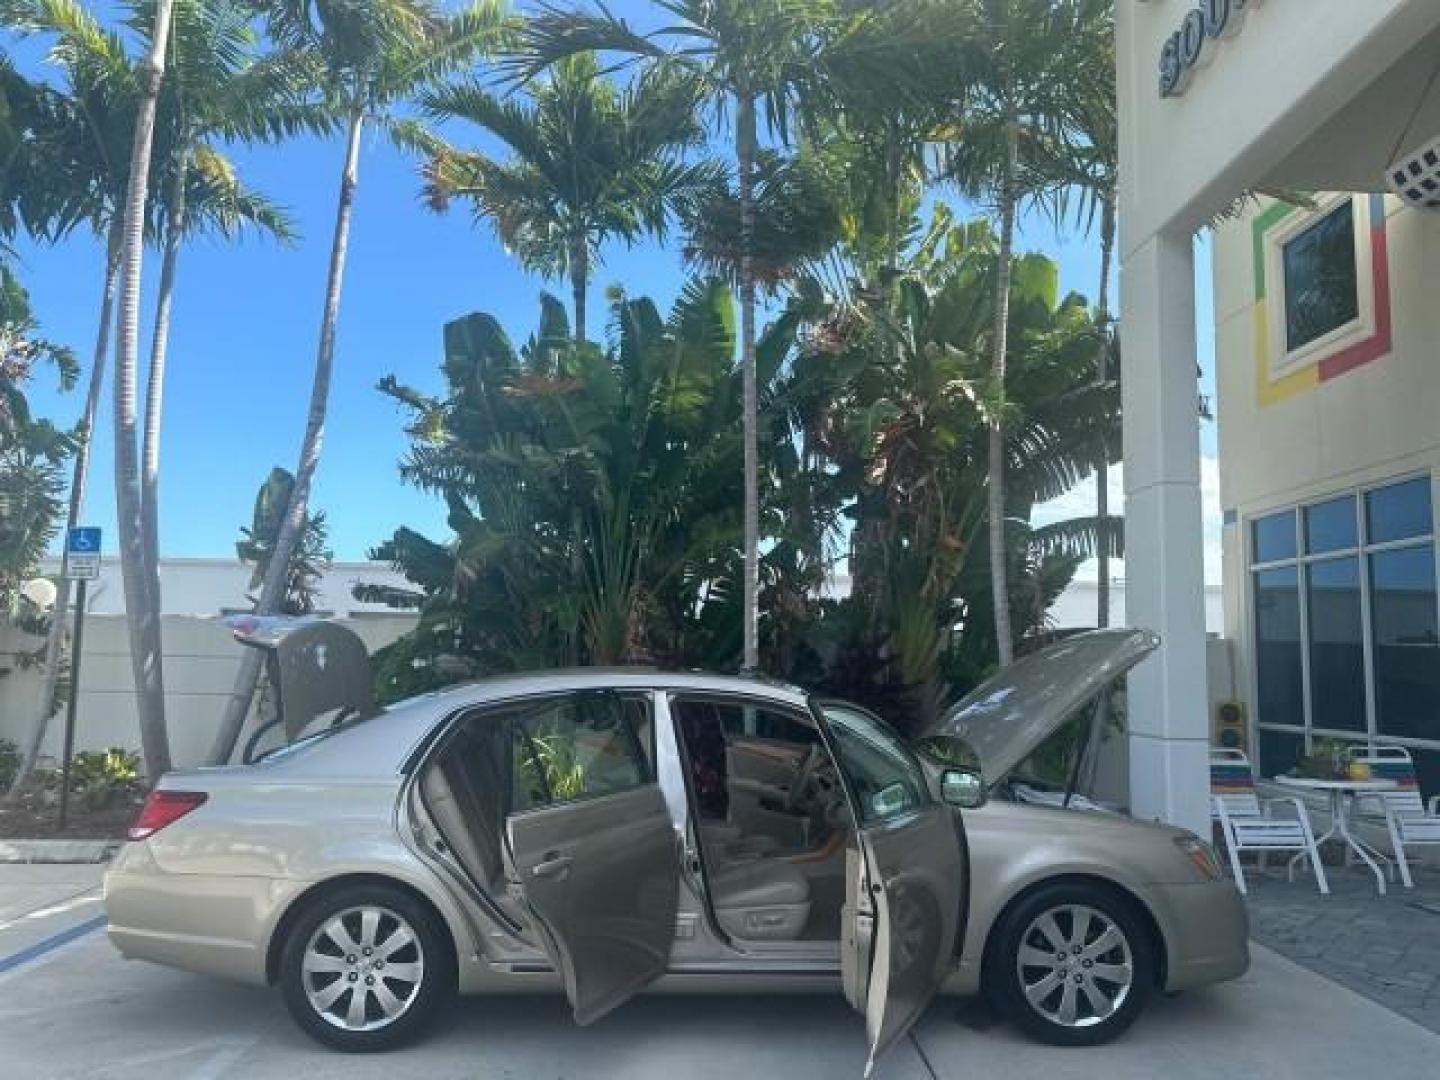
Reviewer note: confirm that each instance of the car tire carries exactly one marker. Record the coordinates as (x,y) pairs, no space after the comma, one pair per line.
(373,942)
(1073,964)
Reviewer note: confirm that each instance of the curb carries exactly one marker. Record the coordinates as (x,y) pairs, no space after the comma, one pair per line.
(57,851)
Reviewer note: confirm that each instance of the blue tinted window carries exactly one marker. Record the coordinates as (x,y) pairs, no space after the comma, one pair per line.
(1399,511)
(1278,671)
(1337,650)
(1407,642)
(1331,526)
(1279,751)
(1274,537)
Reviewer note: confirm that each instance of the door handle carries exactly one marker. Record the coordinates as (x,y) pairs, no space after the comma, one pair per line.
(554,867)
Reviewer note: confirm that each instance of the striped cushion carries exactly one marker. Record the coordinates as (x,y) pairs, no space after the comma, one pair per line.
(1396,769)
(1231,778)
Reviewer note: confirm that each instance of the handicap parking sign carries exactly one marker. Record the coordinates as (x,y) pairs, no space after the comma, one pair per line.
(82,553)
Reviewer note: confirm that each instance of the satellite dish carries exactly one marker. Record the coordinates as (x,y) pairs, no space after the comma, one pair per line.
(40,592)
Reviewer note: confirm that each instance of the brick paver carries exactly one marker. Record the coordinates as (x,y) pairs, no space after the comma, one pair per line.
(1384,947)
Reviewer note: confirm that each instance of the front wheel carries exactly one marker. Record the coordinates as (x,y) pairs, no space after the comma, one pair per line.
(1073,965)
(366,968)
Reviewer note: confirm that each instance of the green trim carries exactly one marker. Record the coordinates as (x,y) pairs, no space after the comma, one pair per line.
(1272,216)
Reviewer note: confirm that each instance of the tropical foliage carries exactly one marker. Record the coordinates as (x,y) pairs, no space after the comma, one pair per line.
(854,384)
(32,450)
(593,492)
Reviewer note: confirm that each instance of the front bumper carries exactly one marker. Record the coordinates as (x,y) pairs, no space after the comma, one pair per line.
(215,925)
(1207,932)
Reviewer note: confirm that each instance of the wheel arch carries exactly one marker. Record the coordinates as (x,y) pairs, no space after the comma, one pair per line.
(1125,895)
(322,889)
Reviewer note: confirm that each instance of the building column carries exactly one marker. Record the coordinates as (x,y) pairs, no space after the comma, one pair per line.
(1164,546)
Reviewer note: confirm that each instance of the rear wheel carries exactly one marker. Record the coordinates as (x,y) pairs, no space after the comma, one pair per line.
(365,968)
(1073,964)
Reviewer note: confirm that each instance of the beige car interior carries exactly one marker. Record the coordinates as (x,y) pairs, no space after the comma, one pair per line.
(770,813)
(771,819)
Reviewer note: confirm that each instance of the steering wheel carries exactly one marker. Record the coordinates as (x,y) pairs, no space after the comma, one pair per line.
(804,775)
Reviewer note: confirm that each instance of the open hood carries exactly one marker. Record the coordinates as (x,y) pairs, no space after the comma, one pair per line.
(1013,712)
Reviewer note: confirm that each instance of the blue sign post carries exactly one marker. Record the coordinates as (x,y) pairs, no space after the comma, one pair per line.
(82,565)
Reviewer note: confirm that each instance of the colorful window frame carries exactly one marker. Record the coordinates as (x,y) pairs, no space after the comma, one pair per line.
(1279,374)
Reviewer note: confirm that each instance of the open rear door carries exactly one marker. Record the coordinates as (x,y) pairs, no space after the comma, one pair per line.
(906,887)
(593,849)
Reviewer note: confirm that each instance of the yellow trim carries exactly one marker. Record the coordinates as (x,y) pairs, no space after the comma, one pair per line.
(1266,391)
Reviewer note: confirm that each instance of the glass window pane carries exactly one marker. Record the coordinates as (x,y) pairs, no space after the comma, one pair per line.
(1331,526)
(1279,751)
(1274,537)
(1337,650)
(884,776)
(576,747)
(1278,670)
(1399,511)
(1407,642)
(1322,290)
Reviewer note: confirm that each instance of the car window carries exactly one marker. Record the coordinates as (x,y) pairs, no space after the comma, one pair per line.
(884,777)
(579,746)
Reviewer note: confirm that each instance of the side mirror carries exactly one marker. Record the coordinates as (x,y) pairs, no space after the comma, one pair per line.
(963,788)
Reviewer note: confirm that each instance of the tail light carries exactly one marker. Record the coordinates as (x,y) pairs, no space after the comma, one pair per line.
(162,808)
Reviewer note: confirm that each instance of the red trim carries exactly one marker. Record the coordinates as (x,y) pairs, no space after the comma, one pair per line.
(1379,345)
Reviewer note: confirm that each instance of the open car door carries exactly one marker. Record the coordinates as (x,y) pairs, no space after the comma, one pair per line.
(593,852)
(906,885)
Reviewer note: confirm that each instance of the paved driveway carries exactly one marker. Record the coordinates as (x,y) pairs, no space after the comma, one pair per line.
(77,1010)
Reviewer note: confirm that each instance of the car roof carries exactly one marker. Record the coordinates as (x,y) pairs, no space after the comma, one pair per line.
(380,746)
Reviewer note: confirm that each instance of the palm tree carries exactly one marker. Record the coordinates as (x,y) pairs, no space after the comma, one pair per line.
(1011,149)
(1097,163)
(588,162)
(373,55)
(217,87)
(141,597)
(746,56)
(78,146)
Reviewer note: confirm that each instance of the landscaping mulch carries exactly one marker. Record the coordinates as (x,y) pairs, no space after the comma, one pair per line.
(37,818)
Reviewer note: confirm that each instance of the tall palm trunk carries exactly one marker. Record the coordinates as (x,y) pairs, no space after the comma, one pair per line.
(272,588)
(999,576)
(745,157)
(579,282)
(1102,466)
(55,643)
(143,618)
(155,385)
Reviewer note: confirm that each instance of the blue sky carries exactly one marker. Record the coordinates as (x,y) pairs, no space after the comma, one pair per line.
(245,328)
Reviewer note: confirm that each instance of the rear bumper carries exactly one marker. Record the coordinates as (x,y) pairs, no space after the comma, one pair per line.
(1207,933)
(215,925)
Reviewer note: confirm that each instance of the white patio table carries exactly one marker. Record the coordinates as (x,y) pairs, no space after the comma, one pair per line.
(1342,793)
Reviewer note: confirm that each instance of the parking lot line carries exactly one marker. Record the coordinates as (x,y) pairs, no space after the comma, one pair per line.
(49,944)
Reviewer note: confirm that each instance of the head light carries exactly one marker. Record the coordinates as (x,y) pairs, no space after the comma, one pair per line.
(1202,856)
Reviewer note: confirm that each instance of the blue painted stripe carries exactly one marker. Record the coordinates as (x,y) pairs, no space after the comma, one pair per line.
(49,944)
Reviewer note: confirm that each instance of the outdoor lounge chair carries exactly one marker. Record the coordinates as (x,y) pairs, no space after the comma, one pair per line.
(1407,818)
(1247,822)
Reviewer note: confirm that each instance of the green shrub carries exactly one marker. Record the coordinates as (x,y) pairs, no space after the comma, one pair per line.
(99,779)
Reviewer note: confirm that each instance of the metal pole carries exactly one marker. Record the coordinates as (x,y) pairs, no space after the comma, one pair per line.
(73,703)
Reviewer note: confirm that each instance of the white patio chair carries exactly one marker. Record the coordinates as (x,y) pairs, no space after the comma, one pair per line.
(1247,822)
(1407,817)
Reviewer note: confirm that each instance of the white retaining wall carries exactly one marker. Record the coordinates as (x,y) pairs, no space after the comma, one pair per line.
(200,662)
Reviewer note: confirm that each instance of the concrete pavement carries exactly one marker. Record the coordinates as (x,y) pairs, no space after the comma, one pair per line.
(78,1010)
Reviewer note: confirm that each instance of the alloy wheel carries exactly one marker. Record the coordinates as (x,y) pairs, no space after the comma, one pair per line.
(1075,966)
(363,968)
